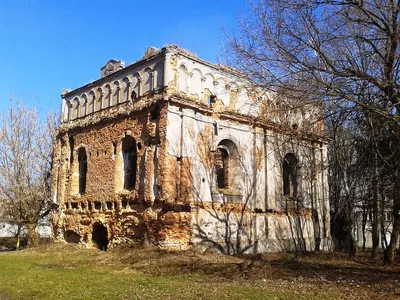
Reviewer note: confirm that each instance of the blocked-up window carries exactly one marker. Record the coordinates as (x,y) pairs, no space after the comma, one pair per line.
(129,155)
(82,160)
(289,169)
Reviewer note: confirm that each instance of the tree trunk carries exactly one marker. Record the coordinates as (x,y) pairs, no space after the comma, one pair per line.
(375,210)
(363,225)
(391,249)
(18,236)
(33,238)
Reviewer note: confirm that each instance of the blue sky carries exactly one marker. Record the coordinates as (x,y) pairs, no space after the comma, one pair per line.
(47,46)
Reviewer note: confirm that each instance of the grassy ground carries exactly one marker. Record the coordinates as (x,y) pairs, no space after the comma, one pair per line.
(67,272)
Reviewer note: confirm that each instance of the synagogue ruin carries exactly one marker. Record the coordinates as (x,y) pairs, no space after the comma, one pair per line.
(177,152)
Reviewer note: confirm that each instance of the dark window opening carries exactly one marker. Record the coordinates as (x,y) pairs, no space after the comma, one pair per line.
(82,159)
(154,115)
(90,206)
(211,99)
(290,175)
(97,205)
(100,236)
(133,95)
(124,204)
(72,237)
(109,205)
(130,162)
(74,205)
(71,147)
(222,168)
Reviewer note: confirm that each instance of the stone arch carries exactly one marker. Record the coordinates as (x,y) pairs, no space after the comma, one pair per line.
(208,87)
(196,82)
(107,98)
(92,100)
(67,111)
(147,80)
(290,173)
(116,93)
(221,90)
(227,165)
(100,236)
(158,76)
(84,103)
(136,89)
(75,110)
(99,102)
(126,89)
(183,78)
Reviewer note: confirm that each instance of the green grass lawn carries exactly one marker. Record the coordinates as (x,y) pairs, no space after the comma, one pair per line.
(67,272)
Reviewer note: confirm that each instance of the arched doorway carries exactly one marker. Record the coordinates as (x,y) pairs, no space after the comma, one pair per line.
(100,236)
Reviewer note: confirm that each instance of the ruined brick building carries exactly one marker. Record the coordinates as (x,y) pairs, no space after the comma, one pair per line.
(175,151)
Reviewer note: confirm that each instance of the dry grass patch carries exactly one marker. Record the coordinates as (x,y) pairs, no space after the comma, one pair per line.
(67,271)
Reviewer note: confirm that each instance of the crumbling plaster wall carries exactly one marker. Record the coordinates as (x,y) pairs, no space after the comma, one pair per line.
(137,215)
(176,202)
(194,136)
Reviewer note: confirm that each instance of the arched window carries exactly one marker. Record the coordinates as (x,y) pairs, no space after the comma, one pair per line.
(100,96)
(222,167)
(183,79)
(227,166)
(67,111)
(75,112)
(126,89)
(107,98)
(136,91)
(92,97)
(147,80)
(82,111)
(289,175)
(115,95)
(129,156)
(82,160)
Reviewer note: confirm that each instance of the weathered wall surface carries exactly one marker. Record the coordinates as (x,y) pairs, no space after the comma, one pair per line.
(182,113)
(194,137)
(128,215)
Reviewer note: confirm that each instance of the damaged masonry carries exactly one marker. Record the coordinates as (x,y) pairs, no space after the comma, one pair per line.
(177,152)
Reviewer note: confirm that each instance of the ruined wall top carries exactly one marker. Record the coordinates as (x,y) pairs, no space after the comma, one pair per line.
(112,66)
(170,69)
(176,73)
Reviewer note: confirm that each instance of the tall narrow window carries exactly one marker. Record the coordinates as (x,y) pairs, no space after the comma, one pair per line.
(129,155)
(82,160)
(290,175)
(222,168)
(227,166)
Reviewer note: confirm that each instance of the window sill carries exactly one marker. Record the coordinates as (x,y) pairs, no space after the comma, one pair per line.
(226,196)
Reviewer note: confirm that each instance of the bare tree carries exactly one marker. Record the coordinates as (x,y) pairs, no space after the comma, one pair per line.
(25,166)
(342,51)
